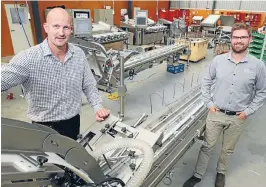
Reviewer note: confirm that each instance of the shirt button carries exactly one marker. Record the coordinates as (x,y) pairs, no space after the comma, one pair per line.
(232,84)
(234,74)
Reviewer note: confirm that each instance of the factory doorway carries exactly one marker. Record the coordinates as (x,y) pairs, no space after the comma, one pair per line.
(18,18)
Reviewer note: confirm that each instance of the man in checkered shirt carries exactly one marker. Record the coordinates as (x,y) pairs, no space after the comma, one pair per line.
(53,75)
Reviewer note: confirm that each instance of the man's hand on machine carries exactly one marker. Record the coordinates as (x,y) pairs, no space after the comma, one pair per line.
(101,114)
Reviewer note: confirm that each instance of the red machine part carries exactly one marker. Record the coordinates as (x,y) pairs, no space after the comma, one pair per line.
(172,14)
(239,17)
(179,14)
(254,19)
(186,15)
(175,13)
(163,14)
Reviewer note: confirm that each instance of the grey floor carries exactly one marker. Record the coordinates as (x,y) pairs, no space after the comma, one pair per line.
(248,164)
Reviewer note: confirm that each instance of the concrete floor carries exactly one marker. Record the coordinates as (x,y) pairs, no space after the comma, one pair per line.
(248,164)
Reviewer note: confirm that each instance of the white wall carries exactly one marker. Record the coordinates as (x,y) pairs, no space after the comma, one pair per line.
(257,5)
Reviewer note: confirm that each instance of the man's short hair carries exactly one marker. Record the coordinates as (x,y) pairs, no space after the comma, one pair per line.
(241,26)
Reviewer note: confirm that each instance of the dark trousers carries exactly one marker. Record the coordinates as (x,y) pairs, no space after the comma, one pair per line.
(69,128)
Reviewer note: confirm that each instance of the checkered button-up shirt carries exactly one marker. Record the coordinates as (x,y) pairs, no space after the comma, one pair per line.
(52,89)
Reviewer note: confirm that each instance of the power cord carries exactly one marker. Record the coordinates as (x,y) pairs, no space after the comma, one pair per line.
(111,180)
(20,22)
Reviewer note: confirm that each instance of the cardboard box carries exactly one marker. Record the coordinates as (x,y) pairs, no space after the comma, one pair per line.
(115,45)
(221,48)
(198,47)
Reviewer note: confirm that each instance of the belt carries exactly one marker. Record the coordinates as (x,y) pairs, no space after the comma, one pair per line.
(55,122)
(228,112)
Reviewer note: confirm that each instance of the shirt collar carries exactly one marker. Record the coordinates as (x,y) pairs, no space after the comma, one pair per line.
(47,51)
(245,59)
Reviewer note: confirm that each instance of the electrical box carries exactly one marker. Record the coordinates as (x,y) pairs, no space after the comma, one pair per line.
(81,22)
(141,18)
(104,15)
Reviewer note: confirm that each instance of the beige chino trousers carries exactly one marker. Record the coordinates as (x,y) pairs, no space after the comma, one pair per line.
(231,128)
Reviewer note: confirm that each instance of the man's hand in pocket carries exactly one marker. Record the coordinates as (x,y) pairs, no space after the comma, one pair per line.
(242,115)
(213,109)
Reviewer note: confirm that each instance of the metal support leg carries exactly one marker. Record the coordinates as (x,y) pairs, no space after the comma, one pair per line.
(188,57)
(122,89)
(128,38)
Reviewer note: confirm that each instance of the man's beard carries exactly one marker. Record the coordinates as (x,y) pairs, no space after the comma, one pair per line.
(239,50)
